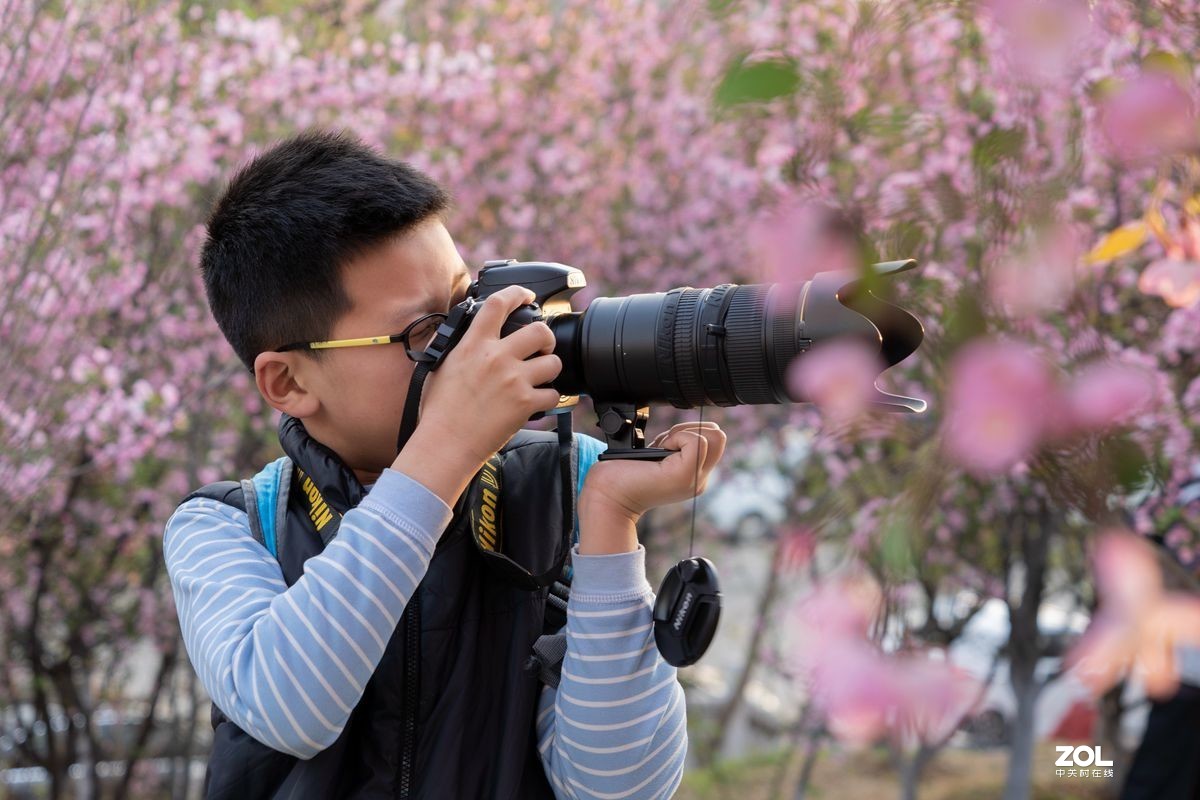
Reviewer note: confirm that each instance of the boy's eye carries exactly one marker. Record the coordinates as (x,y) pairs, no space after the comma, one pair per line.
(423,334)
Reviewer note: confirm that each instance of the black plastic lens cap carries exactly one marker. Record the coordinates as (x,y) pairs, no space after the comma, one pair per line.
(686,611)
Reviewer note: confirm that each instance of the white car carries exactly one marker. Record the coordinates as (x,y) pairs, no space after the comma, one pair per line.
(1060,706)
(749,504)
(745,506)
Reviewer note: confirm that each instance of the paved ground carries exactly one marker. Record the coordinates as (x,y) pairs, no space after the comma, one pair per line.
(954,775)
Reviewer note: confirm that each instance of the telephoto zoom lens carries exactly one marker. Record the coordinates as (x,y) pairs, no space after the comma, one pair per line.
(728,345)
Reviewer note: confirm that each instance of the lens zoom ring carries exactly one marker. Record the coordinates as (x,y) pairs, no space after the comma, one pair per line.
(782,346)
(664,348)
(745,345)
(687,371)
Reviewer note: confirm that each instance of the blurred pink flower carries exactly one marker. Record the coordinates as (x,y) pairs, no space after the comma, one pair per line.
(1127,576)
(1042,39)
(1000,402)
(1108,394)
(936,696)
(800,238)
(863,692)
(796,549)
(1149,117)
(1186,242)
(855,689)
(841,607)
(1139,626)
(1176,281)
(1038,277)
(838,376)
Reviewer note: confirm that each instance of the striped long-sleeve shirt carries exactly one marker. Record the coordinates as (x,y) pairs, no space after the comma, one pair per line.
(288,664)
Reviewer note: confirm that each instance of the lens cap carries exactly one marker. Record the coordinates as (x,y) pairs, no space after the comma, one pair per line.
(686,611)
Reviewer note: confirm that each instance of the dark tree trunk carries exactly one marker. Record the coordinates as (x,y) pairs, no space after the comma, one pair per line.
(911,769)
(1024,648)
(811,752)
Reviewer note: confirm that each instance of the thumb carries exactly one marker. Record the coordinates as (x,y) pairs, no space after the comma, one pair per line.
(685,465)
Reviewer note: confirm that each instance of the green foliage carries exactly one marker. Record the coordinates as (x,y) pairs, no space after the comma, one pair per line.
(1123,459)
(966,320)
(996,146)
(758,81)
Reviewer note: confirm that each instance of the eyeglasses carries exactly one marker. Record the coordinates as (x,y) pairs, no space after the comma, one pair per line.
(416,336)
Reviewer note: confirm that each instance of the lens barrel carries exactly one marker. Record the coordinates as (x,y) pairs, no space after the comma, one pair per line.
(725,346)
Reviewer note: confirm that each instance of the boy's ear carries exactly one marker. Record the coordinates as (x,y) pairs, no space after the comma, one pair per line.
(279,382)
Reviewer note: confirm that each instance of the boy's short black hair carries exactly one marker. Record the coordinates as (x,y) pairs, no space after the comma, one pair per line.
(289,221)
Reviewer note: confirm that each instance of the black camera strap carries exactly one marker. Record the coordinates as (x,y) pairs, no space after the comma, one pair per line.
(412,405)
(474,499)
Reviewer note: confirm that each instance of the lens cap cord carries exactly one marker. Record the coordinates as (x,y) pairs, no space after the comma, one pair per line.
(688,604)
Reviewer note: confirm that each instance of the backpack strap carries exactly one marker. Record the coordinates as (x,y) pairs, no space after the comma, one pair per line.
(227,492)
(547,658)
(551,647)
(263,498)
(266,500)
(585,452)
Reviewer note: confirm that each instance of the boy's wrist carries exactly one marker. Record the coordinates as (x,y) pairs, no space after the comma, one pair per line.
(605,527)
(437,464)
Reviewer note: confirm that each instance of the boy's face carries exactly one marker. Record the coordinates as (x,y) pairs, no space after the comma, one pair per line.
(358,393)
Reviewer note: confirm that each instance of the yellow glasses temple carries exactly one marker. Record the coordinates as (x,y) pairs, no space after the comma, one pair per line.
(363,342)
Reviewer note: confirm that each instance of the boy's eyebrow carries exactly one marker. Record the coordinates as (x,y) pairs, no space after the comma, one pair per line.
(408,313)
(462,275)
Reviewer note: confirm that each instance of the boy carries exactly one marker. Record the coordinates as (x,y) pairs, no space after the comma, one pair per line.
(325,682)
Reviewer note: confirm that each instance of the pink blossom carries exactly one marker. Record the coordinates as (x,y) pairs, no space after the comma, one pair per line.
(1041,276)
(999,402)
(1108,394)
(856,689)
(1175,281)
(1149,117)
(1139,625)
(838,376)
(936,695)
(842,607)
(797,548)
(1043,39)
(800,238)
(1126,575)
(863,692)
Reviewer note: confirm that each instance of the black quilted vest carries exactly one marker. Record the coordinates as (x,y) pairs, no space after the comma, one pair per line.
(464,728)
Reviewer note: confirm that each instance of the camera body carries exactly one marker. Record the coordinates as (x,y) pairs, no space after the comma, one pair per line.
(552,284)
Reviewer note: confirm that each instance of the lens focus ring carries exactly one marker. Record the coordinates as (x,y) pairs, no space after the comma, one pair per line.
(745,345)
(687,370)
(664,343)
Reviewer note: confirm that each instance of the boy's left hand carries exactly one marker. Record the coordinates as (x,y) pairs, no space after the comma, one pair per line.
(617,493)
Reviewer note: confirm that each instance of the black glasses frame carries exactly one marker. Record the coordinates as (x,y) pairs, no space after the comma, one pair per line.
(402,337)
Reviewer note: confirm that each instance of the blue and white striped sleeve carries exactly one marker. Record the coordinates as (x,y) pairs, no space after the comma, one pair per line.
(616,727)
(288,665)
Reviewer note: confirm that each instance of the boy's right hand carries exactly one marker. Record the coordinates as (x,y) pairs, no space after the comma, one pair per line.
(480,396)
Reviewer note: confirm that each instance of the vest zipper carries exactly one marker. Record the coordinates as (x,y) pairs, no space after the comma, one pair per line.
(412,694)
